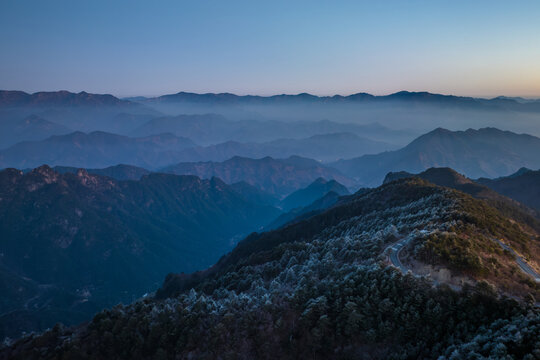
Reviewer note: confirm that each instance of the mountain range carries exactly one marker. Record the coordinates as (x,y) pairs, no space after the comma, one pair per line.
(402,96)
(311,193)
(523,186)
(208,129)
(325,148)
(72,244)
(487,152)
(118,172)
(30,128)
(276,176)
(422,261)
(94,150)
(421,111)
(58,98)
(328,287)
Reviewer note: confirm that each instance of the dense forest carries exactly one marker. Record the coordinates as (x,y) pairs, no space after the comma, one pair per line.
(320,289)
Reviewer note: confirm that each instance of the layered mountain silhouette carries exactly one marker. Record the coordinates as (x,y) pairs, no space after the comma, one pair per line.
(58,98)
(486,152)
(318,196)
(71,244)
(402,96)
(76,111)
(255,194)
(523,186)
(276,176)
(311,193)
(300,213)
(95,150)
(208,129)
(326,147)
(118,172)
(28,128)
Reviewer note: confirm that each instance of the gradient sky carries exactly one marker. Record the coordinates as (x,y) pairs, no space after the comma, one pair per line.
(477,48)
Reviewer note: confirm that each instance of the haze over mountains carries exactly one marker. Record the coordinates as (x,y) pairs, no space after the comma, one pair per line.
(418,110)
(102,197)
(276,176)
(486,152)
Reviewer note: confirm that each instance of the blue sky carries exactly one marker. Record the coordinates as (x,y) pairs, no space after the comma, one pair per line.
(478,48)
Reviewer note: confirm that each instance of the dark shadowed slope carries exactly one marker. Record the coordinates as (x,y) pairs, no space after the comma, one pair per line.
(301,213)
(78,242)
(276,176)
(523,186)
(314,191)
(475,153)
(254,194)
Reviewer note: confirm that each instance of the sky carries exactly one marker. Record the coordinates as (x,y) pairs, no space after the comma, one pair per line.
(149,48)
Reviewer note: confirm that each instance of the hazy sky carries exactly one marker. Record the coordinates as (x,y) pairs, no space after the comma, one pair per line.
(479,48)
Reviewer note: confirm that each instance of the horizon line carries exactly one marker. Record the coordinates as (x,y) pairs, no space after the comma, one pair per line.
(282,94)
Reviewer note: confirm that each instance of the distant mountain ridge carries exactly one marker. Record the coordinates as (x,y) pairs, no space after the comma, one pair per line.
(118,172)
(29,128)
(276,176)
(487,152)
(59,98)
(21,98)
(325,147)
(209,129)
(420,97)
(316,190)
(523,186)
(95,150)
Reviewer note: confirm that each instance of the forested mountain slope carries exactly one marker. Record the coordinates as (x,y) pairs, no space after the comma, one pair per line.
(75,243)
(320,288)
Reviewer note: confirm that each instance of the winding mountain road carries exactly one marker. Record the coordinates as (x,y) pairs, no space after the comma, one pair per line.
(394,250)
(520,261)
(393,253)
